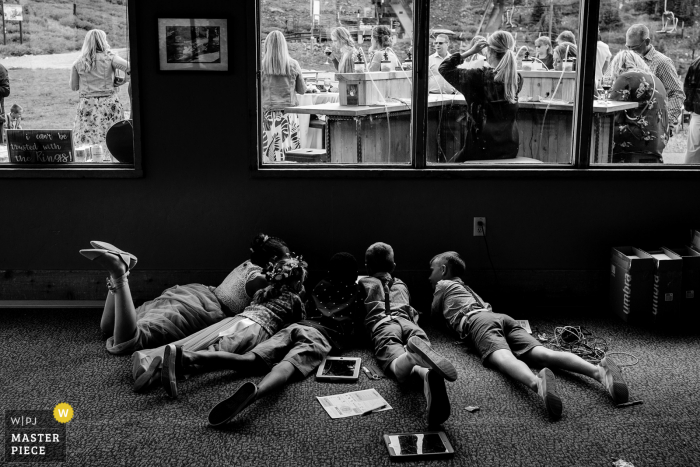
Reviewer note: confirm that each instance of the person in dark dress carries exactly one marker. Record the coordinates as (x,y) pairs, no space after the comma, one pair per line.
(543,52)
(640,134)
(492,99)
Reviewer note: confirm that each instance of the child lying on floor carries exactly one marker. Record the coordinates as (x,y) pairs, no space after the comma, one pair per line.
(332,313)
(272,308)
(400,345)
(506,346)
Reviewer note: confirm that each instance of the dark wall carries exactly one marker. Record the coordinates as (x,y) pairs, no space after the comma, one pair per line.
(198,205)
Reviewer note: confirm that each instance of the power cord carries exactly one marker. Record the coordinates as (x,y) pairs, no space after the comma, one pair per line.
(579,341)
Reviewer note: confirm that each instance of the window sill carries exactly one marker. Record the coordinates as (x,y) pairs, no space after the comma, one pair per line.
(74,171)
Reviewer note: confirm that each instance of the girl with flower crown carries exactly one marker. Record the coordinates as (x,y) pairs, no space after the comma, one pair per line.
(272,308)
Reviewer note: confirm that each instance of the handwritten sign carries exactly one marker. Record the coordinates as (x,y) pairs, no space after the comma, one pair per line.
(40,146)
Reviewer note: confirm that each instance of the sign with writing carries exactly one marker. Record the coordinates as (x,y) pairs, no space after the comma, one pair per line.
(12,12)
(40,146)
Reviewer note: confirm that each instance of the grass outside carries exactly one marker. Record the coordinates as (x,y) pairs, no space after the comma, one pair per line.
(47,98)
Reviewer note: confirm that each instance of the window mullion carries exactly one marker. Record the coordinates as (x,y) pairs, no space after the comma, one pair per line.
(420,82)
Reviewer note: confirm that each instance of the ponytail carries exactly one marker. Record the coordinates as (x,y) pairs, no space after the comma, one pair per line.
(502,44)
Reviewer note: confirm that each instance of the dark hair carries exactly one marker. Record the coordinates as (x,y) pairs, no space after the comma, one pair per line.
(265,249)
(286,274)
(343,268)
(453,262)
(379,258)
(567,36)
(382,35)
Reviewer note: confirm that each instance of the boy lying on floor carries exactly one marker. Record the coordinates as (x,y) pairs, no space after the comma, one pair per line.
(506,346)
(400,345)
(332,313)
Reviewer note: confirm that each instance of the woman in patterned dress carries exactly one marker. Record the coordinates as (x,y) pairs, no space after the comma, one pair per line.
(281,79)
(640,134)
(93,77)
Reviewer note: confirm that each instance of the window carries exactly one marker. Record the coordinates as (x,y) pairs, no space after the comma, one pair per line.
(441,94)
(61,118)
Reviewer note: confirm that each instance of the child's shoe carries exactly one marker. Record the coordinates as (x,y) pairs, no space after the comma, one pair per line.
(437,401)
(172,367)
(547,390)
(228,408)
(431,359)
(611,376)
(149,377)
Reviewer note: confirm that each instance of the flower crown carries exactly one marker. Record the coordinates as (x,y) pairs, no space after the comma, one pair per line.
(292,268)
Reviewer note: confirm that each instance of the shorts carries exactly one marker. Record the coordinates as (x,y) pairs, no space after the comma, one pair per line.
(488,332)
(390,337)
(302,346)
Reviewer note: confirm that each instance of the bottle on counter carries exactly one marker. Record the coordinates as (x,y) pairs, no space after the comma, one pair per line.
(527,61)
(386,63)
(408,63)
(359,63)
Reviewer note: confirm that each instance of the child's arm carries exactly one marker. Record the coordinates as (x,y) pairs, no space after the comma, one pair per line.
(74,79)
(255,283)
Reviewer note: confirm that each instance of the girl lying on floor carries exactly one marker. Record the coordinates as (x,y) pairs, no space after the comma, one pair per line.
(272,308)
(181,310)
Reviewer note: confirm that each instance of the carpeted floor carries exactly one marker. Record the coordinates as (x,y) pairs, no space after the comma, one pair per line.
(48,357)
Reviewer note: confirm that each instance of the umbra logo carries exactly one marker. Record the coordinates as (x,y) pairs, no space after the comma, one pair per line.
(627,294)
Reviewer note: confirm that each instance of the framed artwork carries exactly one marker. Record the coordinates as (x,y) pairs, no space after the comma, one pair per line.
(193,44)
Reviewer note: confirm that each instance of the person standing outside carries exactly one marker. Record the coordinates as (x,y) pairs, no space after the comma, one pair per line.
(639,41)
(691,87)
(602,58)
(4,92)
(436,83)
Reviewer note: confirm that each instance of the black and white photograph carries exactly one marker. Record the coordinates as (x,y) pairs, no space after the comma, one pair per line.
(193,44)
(350,233)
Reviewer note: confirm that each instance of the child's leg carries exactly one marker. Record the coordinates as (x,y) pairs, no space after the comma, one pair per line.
(543,357)
(124,311)
(276,378)
(504,361)
(107,321)
(205,361)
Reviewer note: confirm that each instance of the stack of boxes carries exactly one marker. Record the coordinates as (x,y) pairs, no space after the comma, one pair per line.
(656,286)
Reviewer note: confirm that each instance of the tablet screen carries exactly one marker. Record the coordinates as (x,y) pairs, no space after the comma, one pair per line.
(339,368)
(419,443)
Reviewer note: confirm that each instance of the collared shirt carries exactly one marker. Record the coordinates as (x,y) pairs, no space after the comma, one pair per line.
(372,294)
(602,56)
(453,300)
(663,68)
(437,83)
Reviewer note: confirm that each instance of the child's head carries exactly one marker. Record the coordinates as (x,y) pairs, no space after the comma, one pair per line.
(446,265)
(265,249)
(289,271)
(379,257)
(16,111)
(343,268)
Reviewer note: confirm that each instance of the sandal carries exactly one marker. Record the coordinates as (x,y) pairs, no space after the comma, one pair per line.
(127,258)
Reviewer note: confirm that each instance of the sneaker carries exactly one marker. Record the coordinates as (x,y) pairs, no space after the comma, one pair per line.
(172,359)
(437,402)
(150,377)
(547,390)
(431,359)
(232,406)
(613,381)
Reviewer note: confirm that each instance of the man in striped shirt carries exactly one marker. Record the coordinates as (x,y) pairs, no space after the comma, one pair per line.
(638,41)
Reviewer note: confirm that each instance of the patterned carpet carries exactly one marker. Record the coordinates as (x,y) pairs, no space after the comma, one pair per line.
(48,357)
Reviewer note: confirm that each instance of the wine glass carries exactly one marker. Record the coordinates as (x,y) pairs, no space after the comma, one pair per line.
(328,52)
(606,83)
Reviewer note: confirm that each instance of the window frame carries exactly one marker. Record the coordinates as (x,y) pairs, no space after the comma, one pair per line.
(579,167)
(74,170)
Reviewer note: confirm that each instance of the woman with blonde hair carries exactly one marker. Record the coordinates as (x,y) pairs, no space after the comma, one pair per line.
(492,99)
(92,76)
(543,52)
(562,52)
(381,49)
(640,134)
(281,79)
(345,46)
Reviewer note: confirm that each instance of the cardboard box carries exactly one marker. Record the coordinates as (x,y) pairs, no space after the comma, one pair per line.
(668,285)
(690,293)
(631,284)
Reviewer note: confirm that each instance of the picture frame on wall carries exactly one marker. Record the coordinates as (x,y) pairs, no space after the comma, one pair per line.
(193,44)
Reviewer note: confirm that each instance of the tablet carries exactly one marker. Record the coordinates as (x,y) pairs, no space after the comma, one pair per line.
(422,445)
(339,369)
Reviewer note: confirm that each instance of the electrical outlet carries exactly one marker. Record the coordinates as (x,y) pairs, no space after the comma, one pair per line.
(479,226)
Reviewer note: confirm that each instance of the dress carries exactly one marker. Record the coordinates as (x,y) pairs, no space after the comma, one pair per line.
(280,129)
(492,127)
(691,88)
(640,134)
(183,310)
(547,61)
(99,106)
